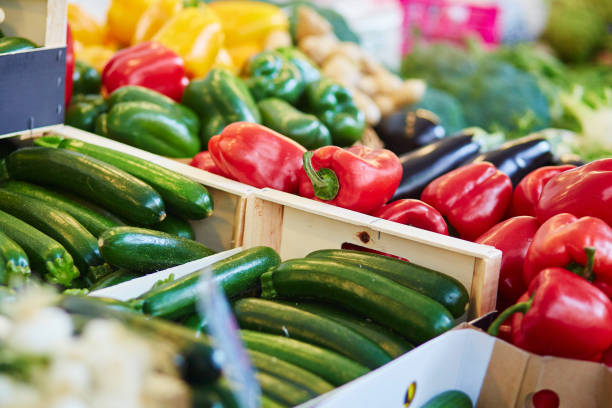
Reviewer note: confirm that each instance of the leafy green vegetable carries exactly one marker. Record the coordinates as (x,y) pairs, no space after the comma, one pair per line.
(445,107)
(493,93)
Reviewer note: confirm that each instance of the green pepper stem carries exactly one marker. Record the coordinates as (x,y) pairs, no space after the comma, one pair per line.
(324,182)
(588,273)
(522,307)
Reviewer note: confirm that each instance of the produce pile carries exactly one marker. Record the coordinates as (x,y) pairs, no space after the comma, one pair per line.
(98,353)
(51,226)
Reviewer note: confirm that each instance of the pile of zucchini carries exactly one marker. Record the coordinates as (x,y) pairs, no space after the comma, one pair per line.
(85,216)
(315,323)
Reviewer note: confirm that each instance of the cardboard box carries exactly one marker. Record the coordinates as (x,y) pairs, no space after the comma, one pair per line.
(494,374)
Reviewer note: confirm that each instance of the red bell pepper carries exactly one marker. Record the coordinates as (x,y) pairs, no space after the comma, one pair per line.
(150,65)
(415,213)
(527,193)
(583,191)
(513,237)
(561,315)
(258,156)
(69,68)
(473,198)
(204,161)
(358,178)
(564,241)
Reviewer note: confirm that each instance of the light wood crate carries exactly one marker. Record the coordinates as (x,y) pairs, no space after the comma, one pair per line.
(296,226)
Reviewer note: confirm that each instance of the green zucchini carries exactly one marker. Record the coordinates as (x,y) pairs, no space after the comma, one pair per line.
(235,275)
(282,391)
(195,322)
(445,289)
(45,253)
(176,226)
(392,343)
(331,366)
(415,316)
(144,250)
(181,195)
(114,278)
(60,226)
(282,319)
(93,221)
(449,399)
(268,403)
(102,183)
(289,372)
(13,259)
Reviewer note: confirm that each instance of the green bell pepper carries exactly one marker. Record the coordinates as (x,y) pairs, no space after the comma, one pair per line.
(305,129)
(101,127)
(308,69)
(134,93)
(12,44)
(273,76)
(219,99)
(334,106)
(152,128)
(84,111)
(85,79)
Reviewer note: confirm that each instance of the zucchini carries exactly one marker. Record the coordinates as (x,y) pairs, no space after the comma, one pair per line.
(449,399)
(331,366)
(60,226)
(181,195)
(44,253)
(446,290)
(176,226)
(112,188)
(289,372)
(93,221)
(235,275)
(282,319)
(13,259)
(392,343)
(415,316)
(144,250)
(114,278)
(282,391)
(268,403)
(195,322)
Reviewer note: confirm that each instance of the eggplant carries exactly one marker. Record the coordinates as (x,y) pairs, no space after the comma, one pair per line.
(519,157)
(422,166)
(406,130)
(569,159)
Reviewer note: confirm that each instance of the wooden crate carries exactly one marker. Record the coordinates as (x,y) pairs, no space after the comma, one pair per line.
(32,82)
(221,231)
(296,226)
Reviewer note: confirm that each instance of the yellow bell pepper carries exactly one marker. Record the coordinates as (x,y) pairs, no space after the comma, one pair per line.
(154,17)
(196,35)
(248,21)
(85,28)
(95,55)
(240,54)
(122,18)
(224,60)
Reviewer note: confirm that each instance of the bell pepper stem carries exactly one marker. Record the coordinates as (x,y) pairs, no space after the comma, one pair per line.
(588,268)
(522,307)
(324,182)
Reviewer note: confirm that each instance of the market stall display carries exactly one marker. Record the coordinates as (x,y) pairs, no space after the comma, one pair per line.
(360,214)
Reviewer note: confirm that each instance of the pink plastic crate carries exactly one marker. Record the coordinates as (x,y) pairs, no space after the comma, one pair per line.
(437,20)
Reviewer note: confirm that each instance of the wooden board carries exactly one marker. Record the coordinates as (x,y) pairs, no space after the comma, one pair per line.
(296,226)
(40,21)
(221,231)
